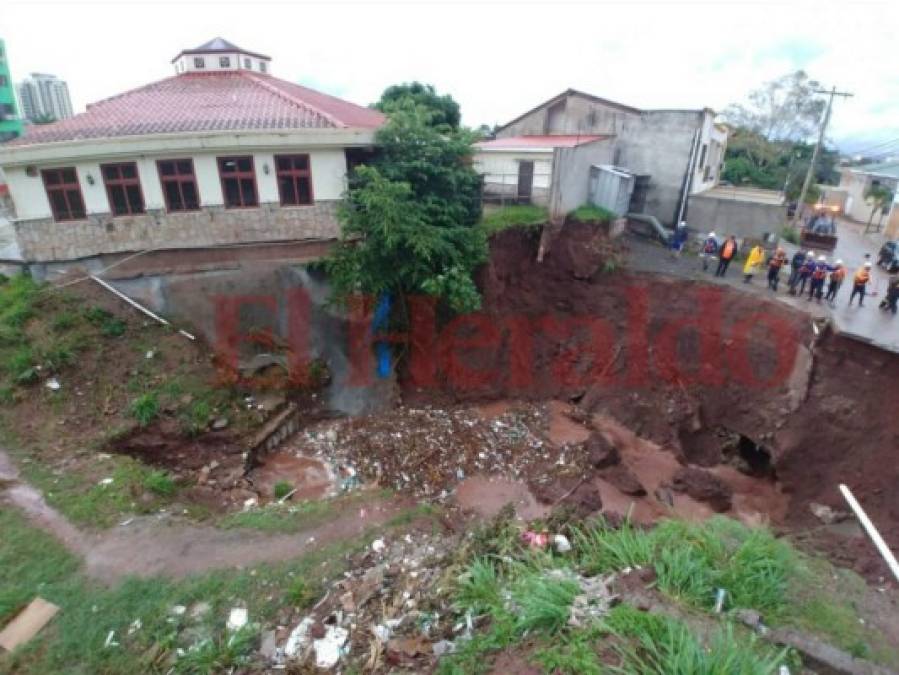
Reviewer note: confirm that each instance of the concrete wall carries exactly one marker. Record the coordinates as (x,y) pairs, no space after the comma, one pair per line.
(856,183)
(500,172)
(328,168)
(571,175)
(712,145)
(44,240)
(211,63)
(572,114)
(658,144)
(745,219)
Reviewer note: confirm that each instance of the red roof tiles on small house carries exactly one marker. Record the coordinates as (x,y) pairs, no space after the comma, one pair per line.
(235,100)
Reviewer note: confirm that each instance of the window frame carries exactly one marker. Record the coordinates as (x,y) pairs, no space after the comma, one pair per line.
(224,62)
(239,175)
(64,188)
(263,68)
(199,63)
(124,183)
(179,180)
(247,64)
(295,174)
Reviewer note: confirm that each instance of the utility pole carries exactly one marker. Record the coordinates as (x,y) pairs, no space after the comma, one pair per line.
(811,167)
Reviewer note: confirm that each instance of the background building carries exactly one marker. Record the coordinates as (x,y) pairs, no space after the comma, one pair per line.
(10,123)
(45,98)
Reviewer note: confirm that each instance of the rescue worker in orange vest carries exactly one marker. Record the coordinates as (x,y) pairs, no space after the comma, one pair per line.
(728,253)
(859,283)
(836,280)
(819,275)
(778,260)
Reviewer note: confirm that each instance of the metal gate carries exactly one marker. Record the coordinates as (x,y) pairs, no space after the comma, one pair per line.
(610,188)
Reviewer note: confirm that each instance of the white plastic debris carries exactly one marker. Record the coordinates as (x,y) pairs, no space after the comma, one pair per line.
(150,354)
(328,649)
(105,481)
(110,641)
(177,610)
(298,638)
(720,595)
(561,543)
(134,627)
(250,503)
(381,632)
(378,545)
(53,384)
(442,647)
(238,618)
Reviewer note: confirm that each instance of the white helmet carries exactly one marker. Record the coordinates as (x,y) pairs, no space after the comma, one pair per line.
(711,234)
(868,264)
(810,254)
(822,258)
(839,262)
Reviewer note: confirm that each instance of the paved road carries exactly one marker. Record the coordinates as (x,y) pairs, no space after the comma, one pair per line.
(866,323)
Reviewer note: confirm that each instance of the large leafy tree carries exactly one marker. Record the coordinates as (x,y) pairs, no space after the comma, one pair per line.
(444,110)
(785,109)
(409,218)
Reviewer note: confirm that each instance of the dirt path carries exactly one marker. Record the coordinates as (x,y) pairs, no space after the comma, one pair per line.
(148,547)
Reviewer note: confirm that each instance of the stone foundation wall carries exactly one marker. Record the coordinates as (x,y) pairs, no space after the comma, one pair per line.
(45,240)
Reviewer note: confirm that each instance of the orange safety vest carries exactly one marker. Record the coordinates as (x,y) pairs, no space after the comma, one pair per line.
(838,274)
(727,252)
(862,277)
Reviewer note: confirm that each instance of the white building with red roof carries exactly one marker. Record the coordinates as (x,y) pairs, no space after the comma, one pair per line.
(221,153)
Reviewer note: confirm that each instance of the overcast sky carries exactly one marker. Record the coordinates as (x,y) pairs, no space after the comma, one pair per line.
(496,58)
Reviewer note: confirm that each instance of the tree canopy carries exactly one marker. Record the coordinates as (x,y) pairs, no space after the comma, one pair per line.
(409,218)
(444,110)
(786,109)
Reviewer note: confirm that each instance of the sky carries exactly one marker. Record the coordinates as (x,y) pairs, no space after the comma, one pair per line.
(496,58)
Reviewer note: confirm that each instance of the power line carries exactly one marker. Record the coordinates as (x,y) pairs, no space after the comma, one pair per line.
(863,150)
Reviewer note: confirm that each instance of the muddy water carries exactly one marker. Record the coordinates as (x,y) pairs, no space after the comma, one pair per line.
(562,429)
(487,495)
(309,476)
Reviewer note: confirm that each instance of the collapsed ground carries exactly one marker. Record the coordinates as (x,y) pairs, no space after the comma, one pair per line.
(563,436)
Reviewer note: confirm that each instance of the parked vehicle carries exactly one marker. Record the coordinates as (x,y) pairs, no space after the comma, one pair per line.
(820,230)
(888,258)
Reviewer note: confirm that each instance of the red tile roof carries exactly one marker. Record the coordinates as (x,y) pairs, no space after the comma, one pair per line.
(535,142)
(197,102)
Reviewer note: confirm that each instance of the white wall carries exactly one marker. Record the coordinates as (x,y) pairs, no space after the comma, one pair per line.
(185,64)
(502,167)
(328,180)
(714,140)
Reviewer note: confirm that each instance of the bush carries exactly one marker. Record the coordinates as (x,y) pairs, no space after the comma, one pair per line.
(790,234)
(195,419)
(160,483)
(145,408)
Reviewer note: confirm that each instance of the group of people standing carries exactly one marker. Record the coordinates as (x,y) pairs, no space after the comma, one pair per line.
(806,271)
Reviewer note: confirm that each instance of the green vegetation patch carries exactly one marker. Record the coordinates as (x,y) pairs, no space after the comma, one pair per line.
(524,215)
(590,213)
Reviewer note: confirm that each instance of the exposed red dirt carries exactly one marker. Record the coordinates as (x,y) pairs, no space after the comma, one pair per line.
(687,366)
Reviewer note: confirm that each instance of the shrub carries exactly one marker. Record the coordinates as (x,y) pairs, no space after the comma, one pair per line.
(514,216)
(160,483)
(790,234)
(195,419)
(145,408)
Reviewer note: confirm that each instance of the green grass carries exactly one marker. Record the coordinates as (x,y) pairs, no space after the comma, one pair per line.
(32,563)
(160,483)
(282,489)
(590,213)
(109,325)
(514,216)
(145,408)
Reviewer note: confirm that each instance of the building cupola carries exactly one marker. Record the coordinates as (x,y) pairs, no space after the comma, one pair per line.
(219,55)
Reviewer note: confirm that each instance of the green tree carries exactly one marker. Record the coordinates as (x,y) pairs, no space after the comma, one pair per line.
(409,219)
(785,109)
(444,110)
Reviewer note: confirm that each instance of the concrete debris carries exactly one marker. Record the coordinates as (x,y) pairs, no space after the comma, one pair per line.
(593,601)
(299,638)
(329,648)
(378,545)
(238,618)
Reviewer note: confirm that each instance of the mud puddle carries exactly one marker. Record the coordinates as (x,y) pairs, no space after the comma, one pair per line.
(307,477)
(487,495)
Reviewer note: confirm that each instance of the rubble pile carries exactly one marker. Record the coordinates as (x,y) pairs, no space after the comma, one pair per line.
(427,451)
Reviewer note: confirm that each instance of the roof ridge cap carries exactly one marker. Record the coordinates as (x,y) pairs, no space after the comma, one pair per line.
(293,99)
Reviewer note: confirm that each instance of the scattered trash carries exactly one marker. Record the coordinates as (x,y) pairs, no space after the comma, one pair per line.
(27,623)
(177,610)
(126,522)
(561,543)
(269,645)
(378,545)
(250,503)
(442,647)
(329,648)
(53,384)
(106,481)
(381,632)
(134,627)
(150,354)
(219,423)
(238,618)
(535,539)
(110,641)
(720,595)
(298,638)
(826,514)
(593,601)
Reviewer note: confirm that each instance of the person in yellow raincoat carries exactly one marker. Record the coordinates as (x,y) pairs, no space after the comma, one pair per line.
(753,263)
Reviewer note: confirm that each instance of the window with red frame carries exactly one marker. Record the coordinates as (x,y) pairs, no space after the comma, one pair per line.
(64,193)
(123,188)
(294,179)
(179,184)
(238,182)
